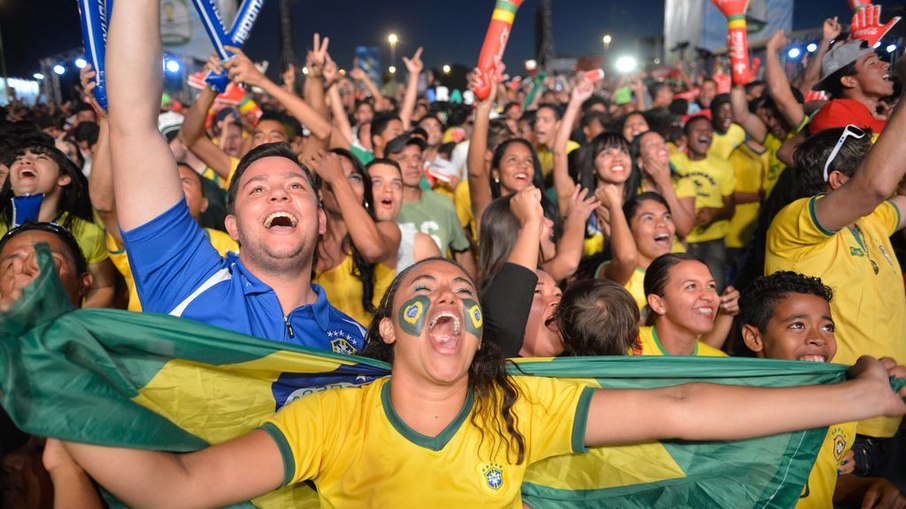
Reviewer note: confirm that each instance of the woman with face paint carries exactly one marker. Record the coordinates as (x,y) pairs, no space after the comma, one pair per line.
(451,428)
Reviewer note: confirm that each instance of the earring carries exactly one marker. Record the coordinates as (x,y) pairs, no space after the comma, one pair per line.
(496,180)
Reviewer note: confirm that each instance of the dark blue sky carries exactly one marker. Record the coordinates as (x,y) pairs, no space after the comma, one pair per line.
(33,29)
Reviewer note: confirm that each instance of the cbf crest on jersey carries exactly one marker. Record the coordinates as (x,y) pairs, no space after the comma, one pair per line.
(493,477)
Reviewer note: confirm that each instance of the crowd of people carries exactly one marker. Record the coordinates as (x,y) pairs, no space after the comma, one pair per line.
(557,217)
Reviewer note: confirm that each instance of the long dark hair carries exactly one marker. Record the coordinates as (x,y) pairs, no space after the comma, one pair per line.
(494,392)
(550,210)
(73,196)
(588,174)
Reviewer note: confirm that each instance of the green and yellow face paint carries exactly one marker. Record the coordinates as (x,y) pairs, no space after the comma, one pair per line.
(474,319)
(413,314)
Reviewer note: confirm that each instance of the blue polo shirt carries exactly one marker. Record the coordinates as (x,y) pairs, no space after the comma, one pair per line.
(178,272)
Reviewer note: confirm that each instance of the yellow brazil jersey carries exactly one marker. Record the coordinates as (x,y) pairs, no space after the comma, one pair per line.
(635,286)
(222,242)
(650,344)
(869,307)
(714,178)
(818,493)
(775,165)
(546,156)
(89,237)
(722,145)
(360,453)
(344,289)
(750,167)
(213,176)
(463,202)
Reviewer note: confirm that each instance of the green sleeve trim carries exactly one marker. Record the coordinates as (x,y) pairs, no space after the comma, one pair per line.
(289,461)
(580,424)
(899,216)
(812,213)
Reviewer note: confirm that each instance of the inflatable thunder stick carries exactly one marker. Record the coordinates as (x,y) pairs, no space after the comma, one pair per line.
(494,43)
(738,45)
(239,32)
(94,38)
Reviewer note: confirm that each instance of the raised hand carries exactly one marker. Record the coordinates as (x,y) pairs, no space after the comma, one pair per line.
(358,74)
(582,202)
(241,69)
(331,72)
(86,77)
(526,205)
(476,79)
(317,57)
(777,42)
(729,301)
(831,29)
(866,24)
(414,65)
(289,77)
(327,166)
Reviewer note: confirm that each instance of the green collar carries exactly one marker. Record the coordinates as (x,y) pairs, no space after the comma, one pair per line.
(660,346)
(433,443)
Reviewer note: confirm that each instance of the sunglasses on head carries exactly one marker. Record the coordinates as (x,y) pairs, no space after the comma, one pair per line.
(851,131)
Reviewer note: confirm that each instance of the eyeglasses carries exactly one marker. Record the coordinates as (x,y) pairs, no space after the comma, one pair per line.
(850,131)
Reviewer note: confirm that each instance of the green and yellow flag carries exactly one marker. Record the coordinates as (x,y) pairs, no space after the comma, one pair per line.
(158,382)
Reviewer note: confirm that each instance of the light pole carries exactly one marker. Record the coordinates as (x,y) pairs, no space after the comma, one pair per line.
(3,68)
(392,39)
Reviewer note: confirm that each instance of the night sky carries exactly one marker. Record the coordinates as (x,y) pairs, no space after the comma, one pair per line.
(33,29)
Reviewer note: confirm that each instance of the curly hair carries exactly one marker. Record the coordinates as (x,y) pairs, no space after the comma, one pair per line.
(756,305)
(495,393)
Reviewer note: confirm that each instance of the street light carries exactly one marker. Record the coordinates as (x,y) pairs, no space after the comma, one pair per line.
(59,69)
(607,39)
(393,39)
(392,69)
(80,62)
(446,68)
(38,76)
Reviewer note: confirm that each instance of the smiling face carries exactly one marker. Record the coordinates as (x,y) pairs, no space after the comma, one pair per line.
(801,328)
(517,168)
(277,219)
(690,298)
(435,324)
(873,76)
(653,230)
(653,150)
(700,134)
(542,338)
(634,125)
(613,165)
(34,173)
(723,117)
(432,126)
(386,190)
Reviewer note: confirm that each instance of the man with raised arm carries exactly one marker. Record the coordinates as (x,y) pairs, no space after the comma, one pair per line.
(273,212)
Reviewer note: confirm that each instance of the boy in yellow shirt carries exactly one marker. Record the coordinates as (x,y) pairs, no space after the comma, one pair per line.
(787,316)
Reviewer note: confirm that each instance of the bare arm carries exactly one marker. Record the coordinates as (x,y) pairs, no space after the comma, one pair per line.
(812,73)
(242,69)
(876,179)
(569,249)
(317,60)
(72,486)
(526,206)
(144,186)
(563,183)
(625,253)
(231,472)
(729,308)
(342,129)
(682,210)
(479,179)
(722,412)
(100,182)
(375,92)
(376,241)
(414,65)
(777,83)
(753,125)
(194,137)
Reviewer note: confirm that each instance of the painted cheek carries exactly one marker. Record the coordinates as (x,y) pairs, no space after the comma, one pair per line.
(474,319)
(413,315)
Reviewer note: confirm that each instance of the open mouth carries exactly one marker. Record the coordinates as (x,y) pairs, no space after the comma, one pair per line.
(445,330)
(387,202)
(813,358)
(27,174)
(521,176)
(705,140)
(704,311)
(280,219)
(663,238)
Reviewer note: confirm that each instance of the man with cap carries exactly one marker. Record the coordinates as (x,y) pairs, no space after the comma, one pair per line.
(424,210)
(856,79)
(841,233)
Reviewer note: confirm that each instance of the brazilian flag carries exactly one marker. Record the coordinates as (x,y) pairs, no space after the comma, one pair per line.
(158,382)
